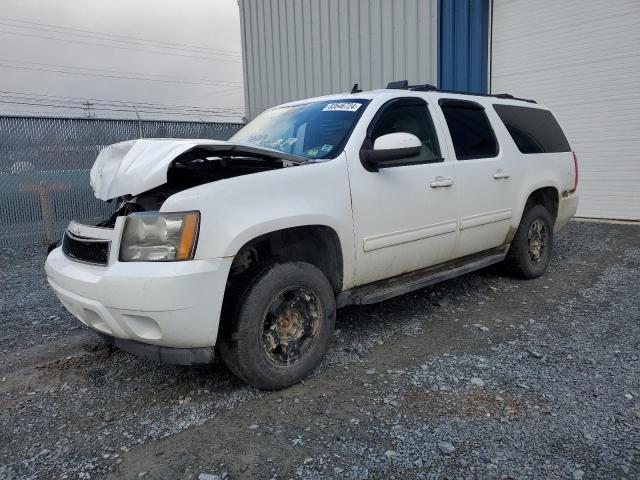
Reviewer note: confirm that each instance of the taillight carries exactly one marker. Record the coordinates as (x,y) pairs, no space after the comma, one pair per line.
(575,169)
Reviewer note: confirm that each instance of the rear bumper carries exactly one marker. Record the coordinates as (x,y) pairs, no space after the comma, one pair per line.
(567,208)
(167,304)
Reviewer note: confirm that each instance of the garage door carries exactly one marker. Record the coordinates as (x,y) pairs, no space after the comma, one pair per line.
(582,59)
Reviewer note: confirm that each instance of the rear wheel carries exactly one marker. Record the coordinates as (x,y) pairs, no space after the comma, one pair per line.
(531,248)
(282,326)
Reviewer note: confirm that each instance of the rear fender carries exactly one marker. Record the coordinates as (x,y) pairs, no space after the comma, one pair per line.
(522,201)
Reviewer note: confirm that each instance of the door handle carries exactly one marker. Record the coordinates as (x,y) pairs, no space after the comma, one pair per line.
(500,174)
(439,182)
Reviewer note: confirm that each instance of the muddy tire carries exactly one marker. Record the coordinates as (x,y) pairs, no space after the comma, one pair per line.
(531,248)
(282,326)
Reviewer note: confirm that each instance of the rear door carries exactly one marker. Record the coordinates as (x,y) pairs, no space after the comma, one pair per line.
(405,217)
(486,192)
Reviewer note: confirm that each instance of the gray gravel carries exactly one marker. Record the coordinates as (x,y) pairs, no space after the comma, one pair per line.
(30,313)
(480,377)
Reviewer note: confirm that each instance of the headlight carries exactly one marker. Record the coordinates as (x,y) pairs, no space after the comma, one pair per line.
(159,237)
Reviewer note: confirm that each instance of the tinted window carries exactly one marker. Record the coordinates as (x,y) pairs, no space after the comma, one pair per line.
(533,130)
(470,129)
(409,116)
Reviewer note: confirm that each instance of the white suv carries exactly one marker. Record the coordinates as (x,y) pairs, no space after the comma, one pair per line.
(246,248)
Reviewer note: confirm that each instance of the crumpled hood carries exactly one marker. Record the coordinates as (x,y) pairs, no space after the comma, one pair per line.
(135,166)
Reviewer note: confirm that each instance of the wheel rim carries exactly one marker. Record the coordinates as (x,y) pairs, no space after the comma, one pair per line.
(538,237)
(290,325)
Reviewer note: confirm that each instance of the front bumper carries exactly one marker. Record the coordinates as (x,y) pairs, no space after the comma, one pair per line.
(173,356)
(167,304)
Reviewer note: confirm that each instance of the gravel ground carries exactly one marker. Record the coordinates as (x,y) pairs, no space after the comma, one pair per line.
(483,376)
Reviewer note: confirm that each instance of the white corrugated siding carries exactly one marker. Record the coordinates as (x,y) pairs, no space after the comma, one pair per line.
(582,59)
(296,49)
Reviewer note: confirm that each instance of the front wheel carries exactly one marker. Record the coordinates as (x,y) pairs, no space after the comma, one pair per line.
(282,326)
(531,248)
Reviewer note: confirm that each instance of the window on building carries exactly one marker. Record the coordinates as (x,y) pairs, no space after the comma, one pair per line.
(533,130)
(470,129)
(409,115)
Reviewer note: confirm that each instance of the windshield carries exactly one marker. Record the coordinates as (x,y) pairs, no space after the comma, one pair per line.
(315,130)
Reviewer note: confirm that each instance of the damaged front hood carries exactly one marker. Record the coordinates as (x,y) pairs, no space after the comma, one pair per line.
(136,166)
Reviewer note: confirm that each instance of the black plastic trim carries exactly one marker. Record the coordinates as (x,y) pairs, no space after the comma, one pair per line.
(408,282)
(404,85)
(458,103)
(173,356)
(70,243)
(400,162)
(398,85)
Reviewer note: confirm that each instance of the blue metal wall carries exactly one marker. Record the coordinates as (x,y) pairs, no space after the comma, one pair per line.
(463,38)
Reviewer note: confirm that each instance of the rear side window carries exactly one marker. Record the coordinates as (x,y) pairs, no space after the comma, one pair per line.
(532,129)
(470,129)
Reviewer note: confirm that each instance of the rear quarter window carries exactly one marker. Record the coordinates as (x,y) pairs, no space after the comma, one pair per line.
(533,130)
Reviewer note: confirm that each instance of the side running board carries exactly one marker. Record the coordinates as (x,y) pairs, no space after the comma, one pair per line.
(408,282)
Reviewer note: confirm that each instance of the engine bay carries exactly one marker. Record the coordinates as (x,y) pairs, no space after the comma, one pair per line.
(193,168)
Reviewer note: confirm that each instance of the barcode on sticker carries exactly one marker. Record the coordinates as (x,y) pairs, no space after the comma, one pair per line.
(342,107)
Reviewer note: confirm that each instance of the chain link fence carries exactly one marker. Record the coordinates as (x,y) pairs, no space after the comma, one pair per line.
(45,163)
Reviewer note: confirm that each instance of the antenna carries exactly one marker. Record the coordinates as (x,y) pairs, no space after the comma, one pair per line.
(355,88)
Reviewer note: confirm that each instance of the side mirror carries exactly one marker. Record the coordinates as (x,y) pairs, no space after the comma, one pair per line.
(390,148)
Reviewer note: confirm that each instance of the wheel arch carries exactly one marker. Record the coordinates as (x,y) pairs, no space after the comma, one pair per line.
(544,193)
(317,244)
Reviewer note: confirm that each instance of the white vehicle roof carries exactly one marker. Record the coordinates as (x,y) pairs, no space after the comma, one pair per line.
(433,94)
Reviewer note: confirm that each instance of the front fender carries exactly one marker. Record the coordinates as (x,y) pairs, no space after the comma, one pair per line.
(275,224)
(236,210)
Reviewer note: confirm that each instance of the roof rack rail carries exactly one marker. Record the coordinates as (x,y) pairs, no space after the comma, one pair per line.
(404,85)
(427,87)
(398,85)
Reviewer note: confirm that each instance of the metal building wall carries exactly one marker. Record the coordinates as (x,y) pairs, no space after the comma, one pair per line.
(294,49)
(582,59)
